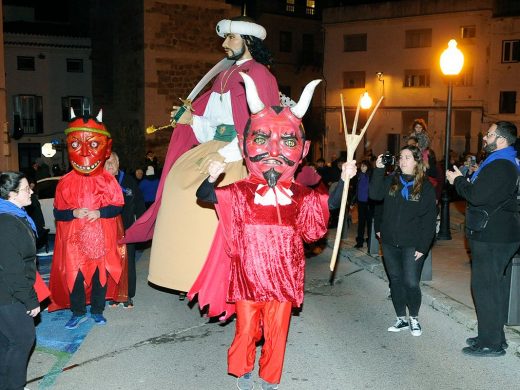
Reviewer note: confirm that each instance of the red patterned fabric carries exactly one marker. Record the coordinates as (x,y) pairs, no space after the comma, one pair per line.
(81,245)
(267,260)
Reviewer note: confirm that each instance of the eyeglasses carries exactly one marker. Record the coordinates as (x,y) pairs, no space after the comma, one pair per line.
(488,135)
(26,189)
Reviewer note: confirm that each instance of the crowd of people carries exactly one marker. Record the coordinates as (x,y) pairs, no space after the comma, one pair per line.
(243,261)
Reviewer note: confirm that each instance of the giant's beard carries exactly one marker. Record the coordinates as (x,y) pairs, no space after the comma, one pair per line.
(271,176)
(237,54)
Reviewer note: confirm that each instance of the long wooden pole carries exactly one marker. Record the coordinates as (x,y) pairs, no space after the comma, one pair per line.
(352,141)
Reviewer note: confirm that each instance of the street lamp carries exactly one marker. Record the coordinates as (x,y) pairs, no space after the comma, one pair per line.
(451,63)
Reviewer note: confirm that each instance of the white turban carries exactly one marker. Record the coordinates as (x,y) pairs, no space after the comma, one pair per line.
(227,26)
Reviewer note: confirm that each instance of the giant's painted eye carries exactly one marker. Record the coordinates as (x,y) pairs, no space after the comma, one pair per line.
(290,142)
(259,140)
(94,144)
(74,144)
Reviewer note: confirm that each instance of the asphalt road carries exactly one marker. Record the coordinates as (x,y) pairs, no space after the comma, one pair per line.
(338,341)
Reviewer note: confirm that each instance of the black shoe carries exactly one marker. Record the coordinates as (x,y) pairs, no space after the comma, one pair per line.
(358,246)
(483,351)
(472,341)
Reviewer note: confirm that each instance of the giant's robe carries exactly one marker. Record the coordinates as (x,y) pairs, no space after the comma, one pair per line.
(85,246)
(184,230)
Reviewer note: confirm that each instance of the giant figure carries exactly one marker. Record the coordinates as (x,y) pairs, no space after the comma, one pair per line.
(185,230)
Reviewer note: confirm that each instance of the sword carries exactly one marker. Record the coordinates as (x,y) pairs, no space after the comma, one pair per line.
(220,66)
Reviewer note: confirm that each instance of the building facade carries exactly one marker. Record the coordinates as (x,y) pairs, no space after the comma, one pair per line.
(393,49)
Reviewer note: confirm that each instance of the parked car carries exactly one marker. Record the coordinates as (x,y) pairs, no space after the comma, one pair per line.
(45,189)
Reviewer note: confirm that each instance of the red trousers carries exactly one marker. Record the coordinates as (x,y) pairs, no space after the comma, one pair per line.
(273,319)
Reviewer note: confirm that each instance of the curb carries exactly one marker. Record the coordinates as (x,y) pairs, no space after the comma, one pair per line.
(430,296)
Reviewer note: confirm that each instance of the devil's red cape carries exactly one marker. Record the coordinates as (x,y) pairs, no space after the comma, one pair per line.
(81,245)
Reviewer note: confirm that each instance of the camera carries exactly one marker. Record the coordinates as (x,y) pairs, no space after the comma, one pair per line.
(388,159)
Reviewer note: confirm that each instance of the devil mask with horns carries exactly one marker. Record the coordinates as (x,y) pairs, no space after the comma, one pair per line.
(274,139)
(89,144)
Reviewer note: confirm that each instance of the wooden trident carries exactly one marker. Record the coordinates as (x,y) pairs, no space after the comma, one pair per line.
(352,141)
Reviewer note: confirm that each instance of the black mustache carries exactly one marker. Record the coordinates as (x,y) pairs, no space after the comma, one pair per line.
(264,155)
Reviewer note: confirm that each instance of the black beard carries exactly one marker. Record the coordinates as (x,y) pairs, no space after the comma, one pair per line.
(271,176)
(237,55)
(489,148)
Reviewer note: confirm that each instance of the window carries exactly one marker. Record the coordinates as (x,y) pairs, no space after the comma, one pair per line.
(468,32)
(81,106)
(511,51)
(28,113)
(311,7)
(465,78)
(416,78)
(289,5)
(285,41)
(409,116)
(308,43)
(25,63)
(355,42)
(462,122)
(507,102)
(418,38)
(74,65)
(354,79)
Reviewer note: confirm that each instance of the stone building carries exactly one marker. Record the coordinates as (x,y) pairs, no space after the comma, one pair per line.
(393,48)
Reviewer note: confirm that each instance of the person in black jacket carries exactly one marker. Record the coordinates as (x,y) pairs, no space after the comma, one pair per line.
(133,208)
(407,231)
(493,188)
(18,300)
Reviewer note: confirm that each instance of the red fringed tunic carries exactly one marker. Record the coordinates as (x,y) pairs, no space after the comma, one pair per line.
(81,245)
(267,260)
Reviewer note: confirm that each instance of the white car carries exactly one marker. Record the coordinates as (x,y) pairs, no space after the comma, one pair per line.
(45,189)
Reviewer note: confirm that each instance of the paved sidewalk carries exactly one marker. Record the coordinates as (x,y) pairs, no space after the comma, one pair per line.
(449,291)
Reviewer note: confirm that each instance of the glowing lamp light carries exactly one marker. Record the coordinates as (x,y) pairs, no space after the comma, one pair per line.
(48,150)
(366,101)
(452,59)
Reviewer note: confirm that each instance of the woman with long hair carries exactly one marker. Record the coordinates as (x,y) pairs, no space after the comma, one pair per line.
(18,300)
(407,231)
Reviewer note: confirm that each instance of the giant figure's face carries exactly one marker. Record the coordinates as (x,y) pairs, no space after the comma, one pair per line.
(88,151)
(274,145)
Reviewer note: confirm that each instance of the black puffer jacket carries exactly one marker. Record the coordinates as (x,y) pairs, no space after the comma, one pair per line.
(17,262)
(405,223)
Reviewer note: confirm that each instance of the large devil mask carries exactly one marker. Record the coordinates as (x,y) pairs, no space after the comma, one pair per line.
(274,140)
(89,144)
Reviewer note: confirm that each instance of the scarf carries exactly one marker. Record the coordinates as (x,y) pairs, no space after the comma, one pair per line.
(406,185)
(7,207)
(508,153)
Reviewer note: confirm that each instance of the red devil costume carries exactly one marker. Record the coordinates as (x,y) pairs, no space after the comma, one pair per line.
(265,217)
(87,205)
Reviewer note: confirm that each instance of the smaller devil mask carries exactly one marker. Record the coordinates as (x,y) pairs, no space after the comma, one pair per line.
(89,144)
(274,140)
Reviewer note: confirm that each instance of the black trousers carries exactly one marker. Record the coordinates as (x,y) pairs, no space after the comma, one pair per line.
(364,222)
(17,335)
(130,249)
(490,283)
(78,298)
(404,273)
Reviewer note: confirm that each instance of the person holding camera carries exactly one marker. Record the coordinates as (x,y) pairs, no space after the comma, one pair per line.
(493,232)
(407,230)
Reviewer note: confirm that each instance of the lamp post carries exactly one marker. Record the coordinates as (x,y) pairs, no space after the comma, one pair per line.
(451,63)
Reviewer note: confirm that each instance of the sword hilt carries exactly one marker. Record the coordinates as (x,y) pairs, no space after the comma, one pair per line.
(186,105)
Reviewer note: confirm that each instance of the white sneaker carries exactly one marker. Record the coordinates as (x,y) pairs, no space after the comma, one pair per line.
(415,327)
(399,325)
